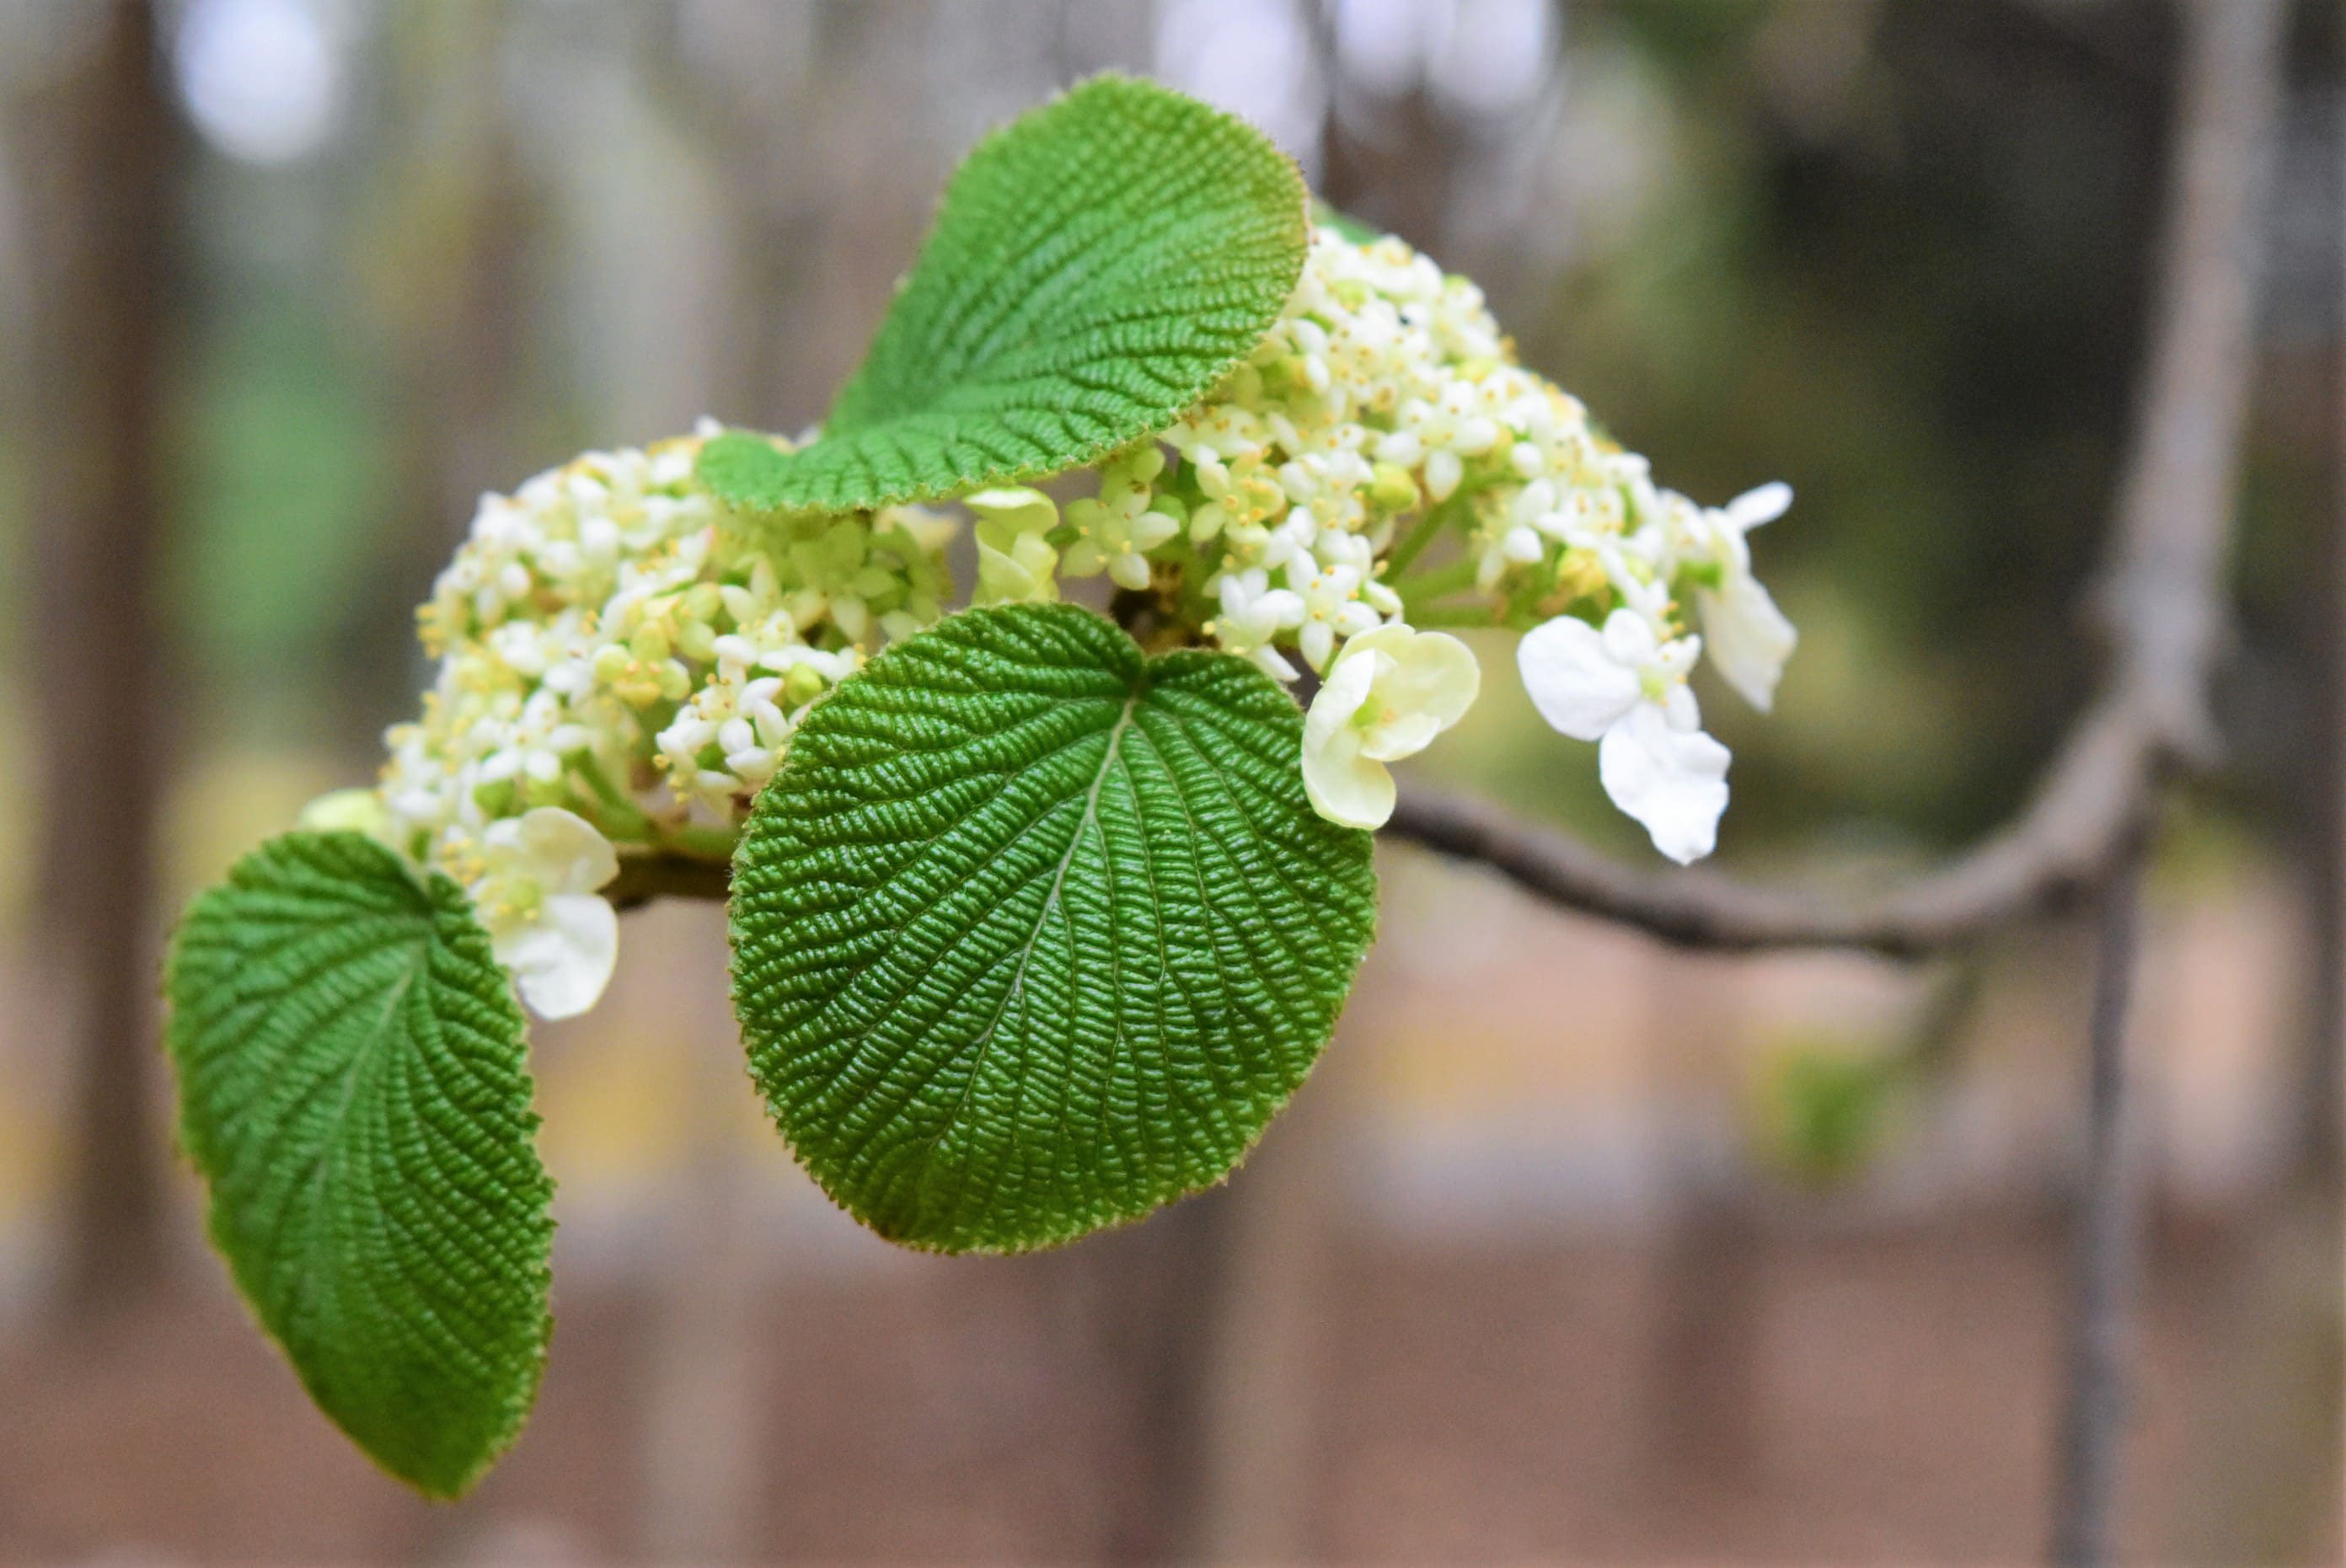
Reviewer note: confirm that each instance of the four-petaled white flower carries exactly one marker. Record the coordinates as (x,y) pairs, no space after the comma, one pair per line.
(1390,692)
(1115,540)
(1254,614)
(1015,563)
(1748,637)
(1331,606)
(1626,690)
(545,922)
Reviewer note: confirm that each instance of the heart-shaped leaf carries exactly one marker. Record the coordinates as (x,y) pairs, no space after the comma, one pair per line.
(1096,266)
(1033,934)
(352,1088)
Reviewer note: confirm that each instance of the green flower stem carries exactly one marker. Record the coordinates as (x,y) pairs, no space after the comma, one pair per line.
(1414,543)
(702,843)
(619,818)
(1454,615)
(1422,533)
(1427,586)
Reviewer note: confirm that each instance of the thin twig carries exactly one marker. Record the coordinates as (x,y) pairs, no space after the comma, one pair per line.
(644,877)
(2052,854)
(2158,607)
(2105,1240)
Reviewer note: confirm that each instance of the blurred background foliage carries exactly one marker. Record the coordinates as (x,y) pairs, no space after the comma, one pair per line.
(1896,252)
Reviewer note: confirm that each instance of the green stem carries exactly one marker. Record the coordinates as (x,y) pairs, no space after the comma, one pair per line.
(702,843)
(1427,586)
(1454,615)
(1421,533)
(621,817)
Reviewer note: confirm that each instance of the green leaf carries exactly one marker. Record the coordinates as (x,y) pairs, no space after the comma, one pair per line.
(1033,934)
(1096,266)
(353,1087)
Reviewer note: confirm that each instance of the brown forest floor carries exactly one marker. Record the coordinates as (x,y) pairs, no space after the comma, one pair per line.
(1471,1404)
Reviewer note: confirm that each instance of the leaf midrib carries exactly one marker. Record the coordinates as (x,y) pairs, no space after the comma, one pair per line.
(1042,918)
(360,1058)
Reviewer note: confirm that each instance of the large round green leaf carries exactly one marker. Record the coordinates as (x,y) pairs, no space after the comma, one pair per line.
(352,1088)
(1033,934)
(1096,266)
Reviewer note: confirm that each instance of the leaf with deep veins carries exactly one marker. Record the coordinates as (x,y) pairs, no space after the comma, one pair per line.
(1033,934)
(1096,266)
(352,1088)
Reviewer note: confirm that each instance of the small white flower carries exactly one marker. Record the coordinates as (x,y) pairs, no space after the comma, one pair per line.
(1390,692)
(1443,473)
(1626,690)
(1748,636)
(1015,563)
(545,922)
(1331,606)
(1253,615)
(1112,540)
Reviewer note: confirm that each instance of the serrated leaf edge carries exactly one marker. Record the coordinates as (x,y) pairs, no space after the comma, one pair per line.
(430,884)
(1149,664)
(1095,451)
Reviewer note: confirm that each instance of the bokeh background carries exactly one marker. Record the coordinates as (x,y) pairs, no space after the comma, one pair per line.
(1575,1247)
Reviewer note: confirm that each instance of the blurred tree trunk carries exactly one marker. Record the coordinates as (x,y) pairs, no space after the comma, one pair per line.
(1202,1320)
(1197,1332)
(2320,1136)
(1703,1366)
(2275,1438)
(1259,1404)
(102,220)
(449,242)
(1392,162)
(1151,1298)
(704,1409)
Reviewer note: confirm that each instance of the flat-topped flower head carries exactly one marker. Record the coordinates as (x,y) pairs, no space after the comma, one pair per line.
(1388,695)
(620,647)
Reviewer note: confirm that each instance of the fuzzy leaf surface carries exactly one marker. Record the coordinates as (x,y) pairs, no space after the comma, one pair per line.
(1033,934)
(352,1088)
(1095,266)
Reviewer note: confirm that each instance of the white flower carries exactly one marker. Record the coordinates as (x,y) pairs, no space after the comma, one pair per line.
(1253,615)
(1015,563)
(1626,690)
(1331,606)
(1390,692)
(1748,636)
(536,896)
(1117,542)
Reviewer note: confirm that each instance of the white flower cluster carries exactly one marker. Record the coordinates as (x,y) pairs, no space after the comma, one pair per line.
(623,659)
(1379,461)
(619,650)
